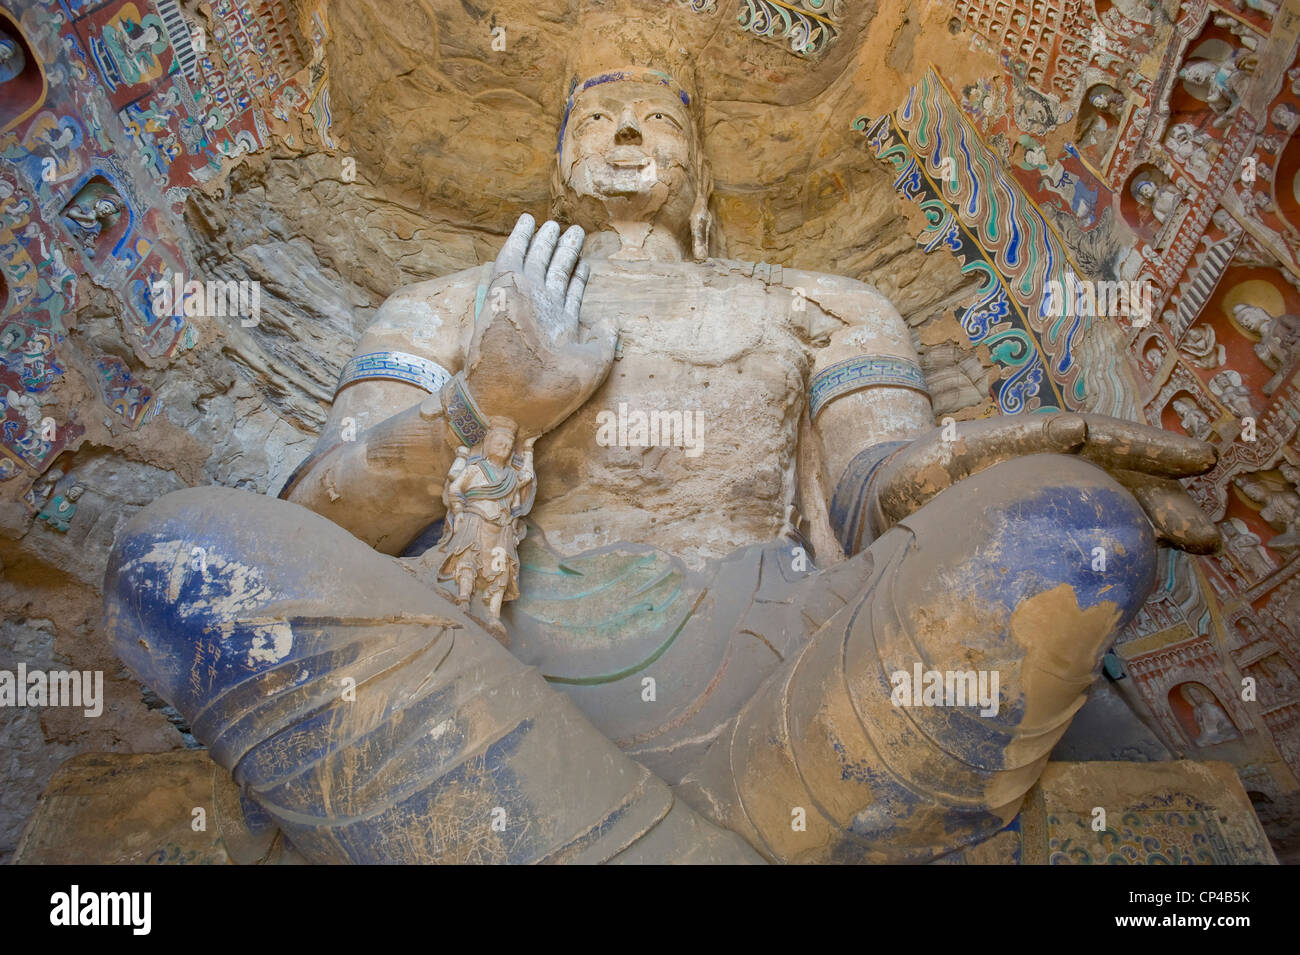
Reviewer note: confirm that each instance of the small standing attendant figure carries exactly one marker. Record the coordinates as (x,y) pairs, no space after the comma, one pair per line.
(488,491)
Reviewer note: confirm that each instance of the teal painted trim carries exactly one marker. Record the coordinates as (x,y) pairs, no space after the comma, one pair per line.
(634,668)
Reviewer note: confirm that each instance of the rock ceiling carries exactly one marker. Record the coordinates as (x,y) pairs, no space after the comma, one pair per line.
(443,122)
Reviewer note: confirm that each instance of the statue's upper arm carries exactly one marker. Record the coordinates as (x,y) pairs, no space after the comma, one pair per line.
(866,387)
(432,320)
(849,316)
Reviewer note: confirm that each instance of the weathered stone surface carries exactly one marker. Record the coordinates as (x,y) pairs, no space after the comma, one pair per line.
(110,809)
(452,139)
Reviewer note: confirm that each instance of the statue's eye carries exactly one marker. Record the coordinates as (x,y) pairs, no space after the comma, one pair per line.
(659,115)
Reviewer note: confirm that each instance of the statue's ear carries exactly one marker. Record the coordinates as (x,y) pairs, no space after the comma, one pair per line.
(701,217)
(559,205)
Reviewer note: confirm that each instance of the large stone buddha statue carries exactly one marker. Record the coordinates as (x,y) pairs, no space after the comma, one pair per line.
(754,570)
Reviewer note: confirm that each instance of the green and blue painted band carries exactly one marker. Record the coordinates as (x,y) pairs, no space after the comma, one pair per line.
(463,415)
(864,371)
(395,366)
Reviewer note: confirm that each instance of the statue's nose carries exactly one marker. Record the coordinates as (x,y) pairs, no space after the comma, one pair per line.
(629,133)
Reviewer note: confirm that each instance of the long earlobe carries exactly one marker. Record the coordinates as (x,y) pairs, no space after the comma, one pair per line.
(558,205)
(701,227)
(701,218)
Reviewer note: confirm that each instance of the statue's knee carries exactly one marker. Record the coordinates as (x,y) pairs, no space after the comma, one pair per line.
(200,570)
(1032,524)
(1022,575)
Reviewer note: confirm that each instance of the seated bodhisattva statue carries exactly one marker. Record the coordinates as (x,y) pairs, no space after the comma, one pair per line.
(681,682)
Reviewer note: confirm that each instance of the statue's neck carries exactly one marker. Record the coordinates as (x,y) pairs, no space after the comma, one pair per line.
(636,241)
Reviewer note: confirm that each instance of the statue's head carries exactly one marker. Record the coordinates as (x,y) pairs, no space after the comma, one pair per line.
(629,164)
(1199,72)
(105,207)
(499,442)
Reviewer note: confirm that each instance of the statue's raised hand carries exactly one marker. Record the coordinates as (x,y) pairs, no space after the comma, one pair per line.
(529,359)
(1147,461)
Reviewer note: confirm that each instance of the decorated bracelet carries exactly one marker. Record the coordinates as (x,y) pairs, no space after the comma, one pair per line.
(464,417)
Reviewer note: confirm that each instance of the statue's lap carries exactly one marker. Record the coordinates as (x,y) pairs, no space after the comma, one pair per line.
(254,616)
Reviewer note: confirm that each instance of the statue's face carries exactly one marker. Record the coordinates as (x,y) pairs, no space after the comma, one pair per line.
(629,146)
(498,446)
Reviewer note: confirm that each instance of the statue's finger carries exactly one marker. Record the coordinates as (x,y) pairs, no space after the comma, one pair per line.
(937,461)
(562,263)
(573,300)
(1127,445)
(1177,519)
(511,256)
(540,252)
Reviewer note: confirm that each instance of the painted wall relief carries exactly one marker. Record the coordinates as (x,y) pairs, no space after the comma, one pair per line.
(1178,169)
(112,110)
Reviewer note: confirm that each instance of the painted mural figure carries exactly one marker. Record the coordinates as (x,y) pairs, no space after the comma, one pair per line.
(1191,147)
(1163,200)
(1282,681)
(1248,546)
(1224,82)
(1194,421)
(1230,388)
(1202,348)
(1101,121)
(654,570)
(1278,347)
(91,214)
(1276,496)
(1253,318)
(1268,8)
(129,50)
(12,60)
(60,510)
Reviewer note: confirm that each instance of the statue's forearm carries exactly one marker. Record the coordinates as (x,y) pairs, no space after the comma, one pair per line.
(385,486)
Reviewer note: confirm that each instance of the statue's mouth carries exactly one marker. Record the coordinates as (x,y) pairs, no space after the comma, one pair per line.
(626,174)
(627,158)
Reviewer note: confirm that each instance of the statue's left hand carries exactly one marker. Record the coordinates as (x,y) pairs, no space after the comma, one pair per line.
(1146,460)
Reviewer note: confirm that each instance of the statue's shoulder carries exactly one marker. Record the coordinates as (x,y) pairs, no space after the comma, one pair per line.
(850,300)
(428,318)
(843,299)
(446,291)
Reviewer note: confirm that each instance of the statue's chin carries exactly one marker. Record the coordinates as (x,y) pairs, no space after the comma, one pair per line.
(625,181)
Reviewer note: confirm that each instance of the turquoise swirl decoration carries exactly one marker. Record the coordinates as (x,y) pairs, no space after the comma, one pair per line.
(976,211)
